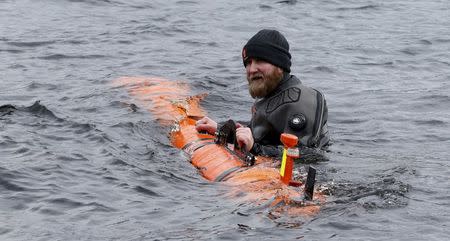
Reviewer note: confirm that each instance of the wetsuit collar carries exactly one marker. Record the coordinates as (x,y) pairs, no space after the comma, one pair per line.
(286,77)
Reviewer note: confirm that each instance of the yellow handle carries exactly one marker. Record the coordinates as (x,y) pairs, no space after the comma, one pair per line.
(283,163)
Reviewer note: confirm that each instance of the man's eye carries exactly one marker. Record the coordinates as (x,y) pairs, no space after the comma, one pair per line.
(247,62)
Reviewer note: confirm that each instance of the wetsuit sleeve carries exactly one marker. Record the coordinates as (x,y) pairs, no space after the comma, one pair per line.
(267,150)
(307,154)
(324,137)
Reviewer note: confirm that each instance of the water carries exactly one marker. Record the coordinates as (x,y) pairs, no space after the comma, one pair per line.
(79,162)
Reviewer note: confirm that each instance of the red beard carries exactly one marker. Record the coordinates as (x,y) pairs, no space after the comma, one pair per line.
(260,85)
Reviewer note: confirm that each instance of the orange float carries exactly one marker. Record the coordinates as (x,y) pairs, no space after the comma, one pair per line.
(172,106)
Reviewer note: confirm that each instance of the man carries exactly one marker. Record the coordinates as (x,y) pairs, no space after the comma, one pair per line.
(283,104)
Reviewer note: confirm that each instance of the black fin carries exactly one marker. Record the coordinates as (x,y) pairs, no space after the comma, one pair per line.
(310,181)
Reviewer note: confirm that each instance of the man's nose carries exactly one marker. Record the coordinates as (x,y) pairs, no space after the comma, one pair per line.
(252,67)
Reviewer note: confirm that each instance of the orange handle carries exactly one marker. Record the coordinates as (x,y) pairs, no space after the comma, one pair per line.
(289,140)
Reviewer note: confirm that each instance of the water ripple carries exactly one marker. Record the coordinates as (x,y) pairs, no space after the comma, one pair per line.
(41,110)
(364,7)
(31,44)
(146,191)
(65,56)
(10,186)
(12,51)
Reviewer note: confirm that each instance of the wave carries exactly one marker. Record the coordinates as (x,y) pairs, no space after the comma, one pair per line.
(5,184)
(64,56)
(95,2)
(289,2)
(431,122)
(12,51)
(41,110)
(146,191)
(386,192)
(365,7)
(30,43)
(7,109)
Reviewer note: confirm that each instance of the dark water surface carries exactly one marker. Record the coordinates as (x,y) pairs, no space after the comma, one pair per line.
(78,162)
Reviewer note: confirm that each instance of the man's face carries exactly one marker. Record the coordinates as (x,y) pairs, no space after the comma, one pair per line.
(262,77)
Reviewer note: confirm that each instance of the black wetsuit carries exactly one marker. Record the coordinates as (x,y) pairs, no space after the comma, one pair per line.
(291,108)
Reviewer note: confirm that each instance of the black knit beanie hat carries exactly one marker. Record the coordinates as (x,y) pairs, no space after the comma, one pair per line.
(270,46)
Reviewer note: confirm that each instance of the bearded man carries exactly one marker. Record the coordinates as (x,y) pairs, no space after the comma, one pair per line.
(282,103)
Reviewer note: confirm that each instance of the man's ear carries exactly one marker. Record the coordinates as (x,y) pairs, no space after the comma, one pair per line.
(280,70)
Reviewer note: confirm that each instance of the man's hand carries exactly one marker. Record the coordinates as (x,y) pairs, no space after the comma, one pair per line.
(206,124)
(244,137)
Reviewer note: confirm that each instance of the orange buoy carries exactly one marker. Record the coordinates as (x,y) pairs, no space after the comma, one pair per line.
(172,105)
